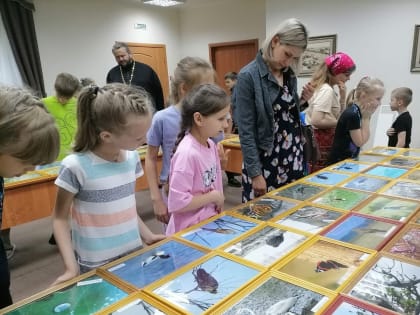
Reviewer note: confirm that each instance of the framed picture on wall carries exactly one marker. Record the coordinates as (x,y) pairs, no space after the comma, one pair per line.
(318,48)
(415,58)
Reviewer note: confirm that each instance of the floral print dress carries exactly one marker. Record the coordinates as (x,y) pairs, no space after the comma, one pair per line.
(285,163)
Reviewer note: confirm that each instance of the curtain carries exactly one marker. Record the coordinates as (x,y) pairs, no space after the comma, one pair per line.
(20,28)
(9,72)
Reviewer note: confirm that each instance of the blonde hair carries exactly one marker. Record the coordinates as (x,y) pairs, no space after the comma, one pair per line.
(107,109)
(404,94)
(291,32)
(366,85)
(189,71)
(27,131)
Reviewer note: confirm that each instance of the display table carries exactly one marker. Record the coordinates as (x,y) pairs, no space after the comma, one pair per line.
(32,196)
(344,240)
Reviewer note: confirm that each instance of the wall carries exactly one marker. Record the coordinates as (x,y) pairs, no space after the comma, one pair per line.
(377,34)
(76,36)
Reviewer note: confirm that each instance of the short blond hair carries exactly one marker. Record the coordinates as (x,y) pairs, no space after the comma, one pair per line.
(27,131)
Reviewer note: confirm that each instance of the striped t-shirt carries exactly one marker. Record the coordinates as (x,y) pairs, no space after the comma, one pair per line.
(104,219)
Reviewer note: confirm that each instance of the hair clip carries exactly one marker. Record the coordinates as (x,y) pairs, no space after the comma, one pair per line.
(93,89)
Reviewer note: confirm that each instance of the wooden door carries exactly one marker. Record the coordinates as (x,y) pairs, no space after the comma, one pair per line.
(231,56)
(153,55)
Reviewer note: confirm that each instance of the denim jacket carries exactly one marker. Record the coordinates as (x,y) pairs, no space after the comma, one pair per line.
(254,94)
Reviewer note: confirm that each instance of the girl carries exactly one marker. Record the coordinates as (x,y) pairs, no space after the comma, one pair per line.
(190,72)
(353,126)
(325,106)
(195,180)
(28,137)
(96,184)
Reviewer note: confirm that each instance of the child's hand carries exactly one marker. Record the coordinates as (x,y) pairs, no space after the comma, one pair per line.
(342,90)
(223,155)
(67,275)
(154,238)
(390,132)
(218,199)
(307,92)
(161,211)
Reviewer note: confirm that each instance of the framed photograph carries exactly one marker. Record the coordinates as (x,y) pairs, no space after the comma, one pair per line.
(350,167)
(406,243)
(153,263)
(325,263)
(25,179)
(198,288)
(390,208)
(266,245)
(403,162)
(414,153)
(415,57)
(310,219)
(298,191)
(318,48)
(74,297)
(363,231)
(264,208)
(366,183)
(326,178)
(404,189)
(345,305)
(384,150)
(389,283)
(275,294)
(386,171)
(341,198)
(138,303)
(370,158)
(217,231)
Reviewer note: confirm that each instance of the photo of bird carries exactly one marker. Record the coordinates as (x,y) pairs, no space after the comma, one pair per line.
(326,265)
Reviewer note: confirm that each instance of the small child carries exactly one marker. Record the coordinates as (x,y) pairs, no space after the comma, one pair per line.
(28,137)
(62,106)
(353,126)
(96,184)
(190,72)
(400,132)
(195,180)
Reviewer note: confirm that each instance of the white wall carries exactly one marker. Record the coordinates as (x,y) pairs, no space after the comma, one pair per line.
(76,36)
(377,34)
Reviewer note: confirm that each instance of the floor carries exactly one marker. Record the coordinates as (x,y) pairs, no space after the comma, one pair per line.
(36,263)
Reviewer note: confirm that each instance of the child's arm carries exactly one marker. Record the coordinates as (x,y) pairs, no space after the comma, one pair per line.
(148,236)
(223,155)
(361,136)
(62,236)
(159,206)
(199,201)
(401,139)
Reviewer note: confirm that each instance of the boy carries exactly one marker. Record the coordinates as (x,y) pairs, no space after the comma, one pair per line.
(400,132)
(28,137)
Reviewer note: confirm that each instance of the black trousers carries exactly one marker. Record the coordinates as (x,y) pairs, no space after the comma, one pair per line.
(5,297)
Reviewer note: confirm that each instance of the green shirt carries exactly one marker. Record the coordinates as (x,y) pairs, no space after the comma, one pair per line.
(66,119)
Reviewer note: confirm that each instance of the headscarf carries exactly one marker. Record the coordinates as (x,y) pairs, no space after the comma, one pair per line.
(340,63)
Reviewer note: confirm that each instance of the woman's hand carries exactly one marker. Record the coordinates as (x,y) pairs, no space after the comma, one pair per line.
(307,92)
(259,186)
(342,90)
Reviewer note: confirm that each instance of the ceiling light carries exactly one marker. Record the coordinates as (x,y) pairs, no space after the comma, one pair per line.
(164,3)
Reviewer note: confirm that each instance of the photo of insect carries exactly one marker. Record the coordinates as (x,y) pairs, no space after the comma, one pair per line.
(266,208)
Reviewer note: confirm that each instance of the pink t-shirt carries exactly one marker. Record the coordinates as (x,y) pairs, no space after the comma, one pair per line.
(195,170)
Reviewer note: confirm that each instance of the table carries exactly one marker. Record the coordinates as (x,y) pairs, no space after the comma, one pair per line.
(33,197)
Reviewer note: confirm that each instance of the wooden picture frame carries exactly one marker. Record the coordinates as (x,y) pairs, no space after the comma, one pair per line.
(362,230)
(266,244)
(366,183)
(326,178)
(197,289)
(274,293)
(387,171)
(406,243)
(325,263)
(299,191)
(415,56)
(350,167)
(404,189)
(346,305)
(341,198)
(387,282)
(318,48)
(73,296)
(153,263)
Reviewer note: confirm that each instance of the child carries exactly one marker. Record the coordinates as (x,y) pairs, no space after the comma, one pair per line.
(96,183)
(230,82)
(195,180)
(400,132)
(62,106)
(352,129)
(190,72)
(28,137)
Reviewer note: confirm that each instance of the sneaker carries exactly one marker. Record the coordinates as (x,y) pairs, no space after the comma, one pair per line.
(233,182)
(10,251)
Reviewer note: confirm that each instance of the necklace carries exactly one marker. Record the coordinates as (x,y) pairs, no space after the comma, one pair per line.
(131,76)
